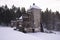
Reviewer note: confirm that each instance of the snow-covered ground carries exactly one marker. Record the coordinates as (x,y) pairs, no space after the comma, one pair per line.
(7,33)
(46,36)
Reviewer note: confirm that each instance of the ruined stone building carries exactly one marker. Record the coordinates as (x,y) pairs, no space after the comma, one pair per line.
(31,19)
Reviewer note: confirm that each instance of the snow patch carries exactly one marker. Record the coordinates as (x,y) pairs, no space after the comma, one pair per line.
(20,17)
(34,6)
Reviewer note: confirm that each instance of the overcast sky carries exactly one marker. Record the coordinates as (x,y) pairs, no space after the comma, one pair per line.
(43,4)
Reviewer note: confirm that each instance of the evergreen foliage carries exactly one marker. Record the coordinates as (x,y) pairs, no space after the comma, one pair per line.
(6,14)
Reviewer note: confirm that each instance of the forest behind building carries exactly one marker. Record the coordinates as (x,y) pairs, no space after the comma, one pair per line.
(49,19)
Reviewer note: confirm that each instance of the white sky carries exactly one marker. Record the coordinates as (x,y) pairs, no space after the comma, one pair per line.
(43,4)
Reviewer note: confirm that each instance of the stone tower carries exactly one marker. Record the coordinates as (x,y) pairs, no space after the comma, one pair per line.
(35,10)
(32,19)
